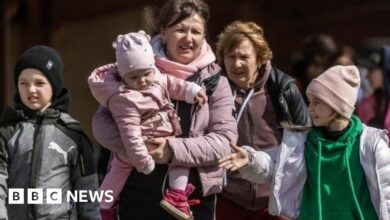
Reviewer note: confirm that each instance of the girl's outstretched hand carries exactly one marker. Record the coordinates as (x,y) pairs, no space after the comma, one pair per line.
(236,160)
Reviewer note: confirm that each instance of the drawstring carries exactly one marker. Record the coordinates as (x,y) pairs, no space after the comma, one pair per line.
(238,116)
(319,181)
(351,184)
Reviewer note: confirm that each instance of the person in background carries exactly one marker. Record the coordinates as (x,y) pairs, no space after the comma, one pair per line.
(374,110)
(338,159)
(41,145)
(345,56)
(182,51)
(317,54)
(265,97)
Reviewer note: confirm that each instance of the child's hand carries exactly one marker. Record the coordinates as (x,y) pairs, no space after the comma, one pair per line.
(201,97)
(236,160)
(161,152)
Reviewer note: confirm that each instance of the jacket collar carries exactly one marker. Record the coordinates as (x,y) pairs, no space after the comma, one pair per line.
(263,75)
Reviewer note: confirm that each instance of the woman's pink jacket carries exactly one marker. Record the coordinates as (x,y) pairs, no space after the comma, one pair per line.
(139,115)
(213,127)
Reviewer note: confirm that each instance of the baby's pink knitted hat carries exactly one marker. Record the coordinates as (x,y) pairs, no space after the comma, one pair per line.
(133,52)
(338,87)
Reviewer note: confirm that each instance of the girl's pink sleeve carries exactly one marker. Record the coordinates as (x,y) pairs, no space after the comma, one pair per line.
(128,119)
(106,132)
(179,89)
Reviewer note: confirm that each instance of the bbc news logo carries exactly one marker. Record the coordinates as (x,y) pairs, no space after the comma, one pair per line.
(54,196)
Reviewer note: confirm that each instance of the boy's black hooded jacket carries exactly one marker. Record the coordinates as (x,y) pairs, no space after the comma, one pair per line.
(45,150)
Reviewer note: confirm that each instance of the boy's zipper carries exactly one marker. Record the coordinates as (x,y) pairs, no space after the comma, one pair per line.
(36,161)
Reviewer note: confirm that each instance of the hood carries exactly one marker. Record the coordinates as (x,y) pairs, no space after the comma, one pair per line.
(263,75)
(104,82)
(11,115)
(261,79)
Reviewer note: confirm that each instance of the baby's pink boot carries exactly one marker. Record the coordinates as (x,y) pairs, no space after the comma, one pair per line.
(175,201)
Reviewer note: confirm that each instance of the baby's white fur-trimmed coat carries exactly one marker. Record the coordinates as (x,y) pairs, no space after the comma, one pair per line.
(285,167)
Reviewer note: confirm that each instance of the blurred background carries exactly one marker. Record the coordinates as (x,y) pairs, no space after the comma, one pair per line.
(306,36)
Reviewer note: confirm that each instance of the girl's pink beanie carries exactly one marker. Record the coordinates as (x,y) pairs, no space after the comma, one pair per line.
(133,52)
(338,87)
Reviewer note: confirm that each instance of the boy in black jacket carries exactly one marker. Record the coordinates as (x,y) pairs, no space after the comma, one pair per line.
(41,146)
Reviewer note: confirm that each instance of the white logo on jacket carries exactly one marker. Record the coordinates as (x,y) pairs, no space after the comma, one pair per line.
(56,147)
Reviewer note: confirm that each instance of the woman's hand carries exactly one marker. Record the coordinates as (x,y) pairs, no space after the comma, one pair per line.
(159,150)
(236,160)
(201,97)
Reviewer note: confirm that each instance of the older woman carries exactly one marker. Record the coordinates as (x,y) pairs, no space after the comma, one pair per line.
(264,97)
(182,51)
